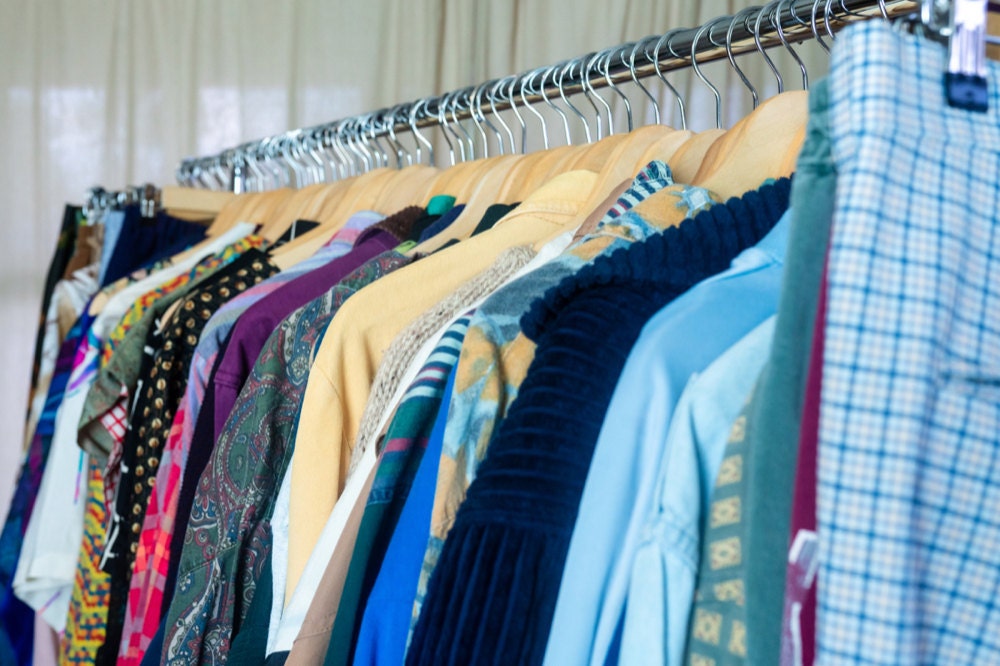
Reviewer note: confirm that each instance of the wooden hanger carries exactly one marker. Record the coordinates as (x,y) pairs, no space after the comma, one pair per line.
(688,159)
(763,145)
(407,189)
(191,203)
(663,149)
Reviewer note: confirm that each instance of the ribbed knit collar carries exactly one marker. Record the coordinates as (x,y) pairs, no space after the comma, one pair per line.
(704,244)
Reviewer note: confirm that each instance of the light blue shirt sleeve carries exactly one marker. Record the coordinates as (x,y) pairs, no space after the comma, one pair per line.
(664,571)
(114,220)
(681,340)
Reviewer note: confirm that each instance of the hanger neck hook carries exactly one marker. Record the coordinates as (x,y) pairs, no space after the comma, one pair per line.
(606,65)
(415,117)
(491,97)
(767,10)
(568,67)
(480,91)
(655,58)
(697,70)
(732,57)
(511,85)
(593,69)
(526,84)
(813,25)
(777,22)
(635,79)
(550,103)
(442,119)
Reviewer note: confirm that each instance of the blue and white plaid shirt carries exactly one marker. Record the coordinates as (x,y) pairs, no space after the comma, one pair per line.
(909,466)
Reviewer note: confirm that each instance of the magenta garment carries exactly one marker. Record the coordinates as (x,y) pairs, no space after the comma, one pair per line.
(259,321)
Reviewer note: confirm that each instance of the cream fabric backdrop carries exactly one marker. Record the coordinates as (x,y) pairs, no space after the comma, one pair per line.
(116,92)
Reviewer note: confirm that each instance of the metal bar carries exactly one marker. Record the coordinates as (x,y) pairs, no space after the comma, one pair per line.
(800,20)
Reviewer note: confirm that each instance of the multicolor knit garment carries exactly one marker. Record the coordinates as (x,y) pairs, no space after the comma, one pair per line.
(88,606)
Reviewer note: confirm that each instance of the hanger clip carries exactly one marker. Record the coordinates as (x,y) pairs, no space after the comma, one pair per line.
(149,200)
(965,81)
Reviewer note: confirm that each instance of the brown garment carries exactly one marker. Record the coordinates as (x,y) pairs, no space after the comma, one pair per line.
(89,240)
(310,646)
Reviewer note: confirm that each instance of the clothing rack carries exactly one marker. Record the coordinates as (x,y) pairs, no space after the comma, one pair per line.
(357,142)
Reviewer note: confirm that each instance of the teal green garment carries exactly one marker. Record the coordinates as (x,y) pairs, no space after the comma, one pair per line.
(440,204)
(776,411)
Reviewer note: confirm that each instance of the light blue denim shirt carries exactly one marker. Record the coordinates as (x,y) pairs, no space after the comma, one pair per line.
(664,571)
(682,339)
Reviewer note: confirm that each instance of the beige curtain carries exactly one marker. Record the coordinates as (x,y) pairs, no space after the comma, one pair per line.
(116,92)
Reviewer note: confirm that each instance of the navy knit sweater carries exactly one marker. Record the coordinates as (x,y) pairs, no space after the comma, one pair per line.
(492,596)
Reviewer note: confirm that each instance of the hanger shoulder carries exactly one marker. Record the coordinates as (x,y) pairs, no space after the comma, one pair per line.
(689,157)
(407,188)
(193,203)
(763,145)
(663,149)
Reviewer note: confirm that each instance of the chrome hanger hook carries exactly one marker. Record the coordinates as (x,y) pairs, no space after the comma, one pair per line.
(655,59)
(592,66)
(491,98)
(442,119)
(482,115)
(456,106)
(744,15)
(827,13)
(475,121)
(814,26)
(776,22)
(697,70)
(568,67)
(611,82)
(526,82)
(414,113)
(769,11)
(513,107)
(562,114)
(635,80)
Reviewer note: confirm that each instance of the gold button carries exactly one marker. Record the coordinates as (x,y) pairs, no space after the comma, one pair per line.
(192,340)
(140,471)
(145,411)
(167,365)
(257,266)
(136,509)
(190,322)
(189,306)
(138,488)
(154,462)
(157,424)
(241,285)
(161,384)
(224,292)
(153,372)
(142,431)
(206,298)
(154,442)
(134,547)
(150,481)
(242,272)
(206,314)
(139,450)
(224,280)
(135,527)
(178,332)
(149,392)
(169,345)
